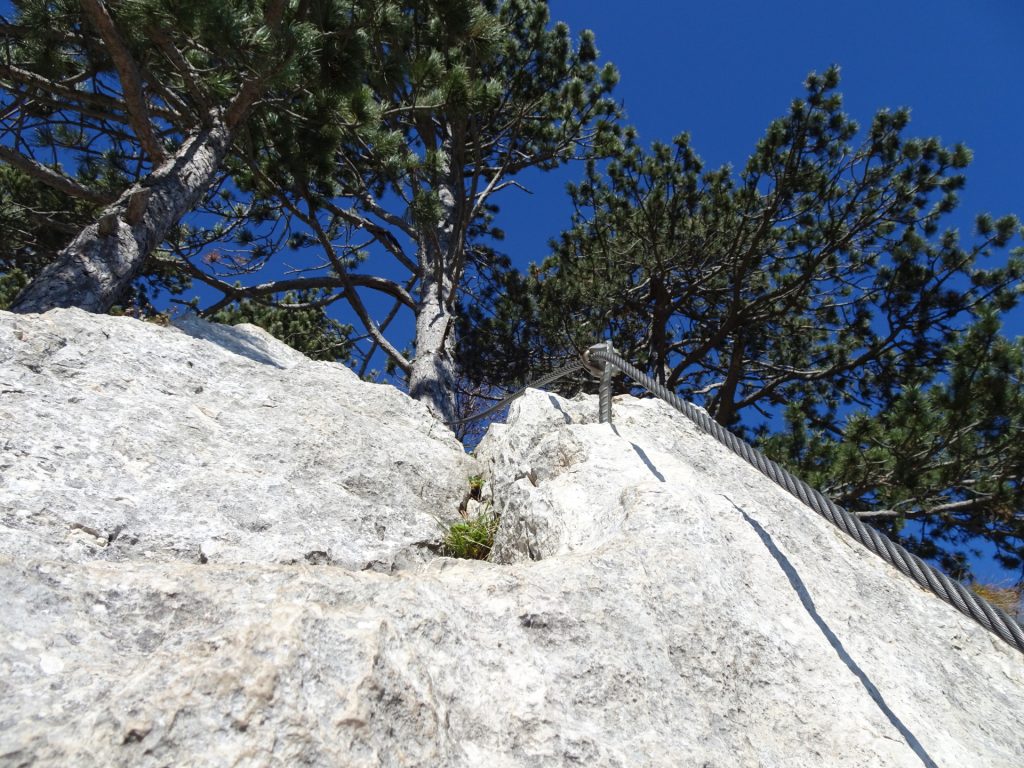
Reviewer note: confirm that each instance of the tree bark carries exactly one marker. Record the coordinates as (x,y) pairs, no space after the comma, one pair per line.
(432,376)
(99,265)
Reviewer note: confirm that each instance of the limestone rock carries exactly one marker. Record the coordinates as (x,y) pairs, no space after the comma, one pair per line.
(785,642)
(657,601)
(123,440)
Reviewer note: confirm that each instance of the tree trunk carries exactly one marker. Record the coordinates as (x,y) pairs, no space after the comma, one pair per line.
(99,265)
(724,407)
(432,377)
(661,313)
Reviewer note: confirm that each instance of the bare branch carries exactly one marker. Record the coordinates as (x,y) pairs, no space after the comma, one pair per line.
(383,235)
(952,506)
(352,296)
(57,226)
(384,326)
(236,293)
(385,215)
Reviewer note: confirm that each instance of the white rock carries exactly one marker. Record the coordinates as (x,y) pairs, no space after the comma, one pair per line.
(121,436)
(784,642)
(659,603)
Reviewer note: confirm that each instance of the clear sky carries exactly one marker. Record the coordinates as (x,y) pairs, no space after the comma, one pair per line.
(723,70)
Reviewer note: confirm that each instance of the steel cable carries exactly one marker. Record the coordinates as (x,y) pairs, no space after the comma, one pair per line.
(964,600)
(556,374)
(992,618)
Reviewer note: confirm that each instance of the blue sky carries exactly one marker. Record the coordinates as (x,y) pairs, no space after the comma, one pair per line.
(723,70)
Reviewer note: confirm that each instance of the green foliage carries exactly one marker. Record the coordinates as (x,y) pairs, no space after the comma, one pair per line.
(947,453)
(299,320)
(816,287)
(817,272)
(471,539)
(192,60)
(36,222)
(459,97)
(11,284)
(468,93)
(381,130)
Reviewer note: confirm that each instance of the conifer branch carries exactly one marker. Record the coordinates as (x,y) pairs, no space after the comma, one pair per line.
(187,71)
(130,76)
(53,179)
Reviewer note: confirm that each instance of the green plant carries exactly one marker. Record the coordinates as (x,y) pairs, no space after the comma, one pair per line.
(472,538)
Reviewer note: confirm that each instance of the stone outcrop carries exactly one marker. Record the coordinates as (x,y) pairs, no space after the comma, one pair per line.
(123,440)
(653,601)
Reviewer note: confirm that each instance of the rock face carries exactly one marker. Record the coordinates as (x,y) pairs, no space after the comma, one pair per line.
(122,440)
(653,601)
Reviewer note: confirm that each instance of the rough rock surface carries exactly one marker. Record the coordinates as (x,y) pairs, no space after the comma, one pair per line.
(123,440)
(658,603)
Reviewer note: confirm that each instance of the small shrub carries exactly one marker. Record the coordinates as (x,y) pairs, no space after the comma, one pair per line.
(472,539)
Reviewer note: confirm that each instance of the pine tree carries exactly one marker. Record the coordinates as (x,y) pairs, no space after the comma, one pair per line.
(133,107)
(946,454)
(460,97)
(815,287)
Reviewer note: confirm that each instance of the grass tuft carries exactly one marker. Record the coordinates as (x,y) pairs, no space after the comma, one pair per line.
(472,539)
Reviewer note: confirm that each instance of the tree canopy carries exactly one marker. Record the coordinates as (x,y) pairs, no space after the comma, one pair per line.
(296,156)
(459,98)
(386,161)
(812,301)
(130,110)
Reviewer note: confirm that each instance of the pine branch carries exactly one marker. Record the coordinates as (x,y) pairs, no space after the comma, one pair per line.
(53,179)
(185,115)
(130,76)
(31,79)
(186,70)
(252,88)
